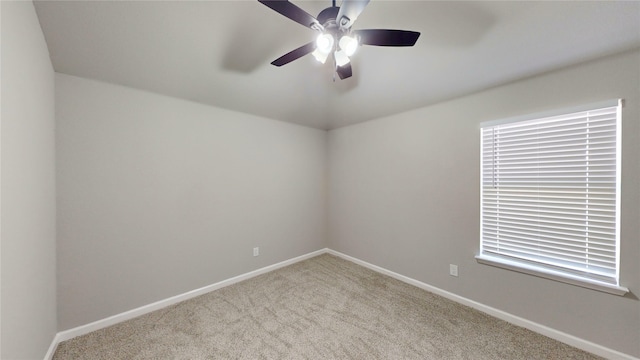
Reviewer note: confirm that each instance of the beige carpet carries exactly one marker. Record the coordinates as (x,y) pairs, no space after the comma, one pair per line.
(322,308)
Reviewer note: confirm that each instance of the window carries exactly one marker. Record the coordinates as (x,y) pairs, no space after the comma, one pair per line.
(550,195)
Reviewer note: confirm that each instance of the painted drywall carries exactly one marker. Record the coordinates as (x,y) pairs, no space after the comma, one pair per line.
(158,196)
(404,194)
(28,186)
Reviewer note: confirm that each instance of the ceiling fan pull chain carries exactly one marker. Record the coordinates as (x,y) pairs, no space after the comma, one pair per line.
(335,68)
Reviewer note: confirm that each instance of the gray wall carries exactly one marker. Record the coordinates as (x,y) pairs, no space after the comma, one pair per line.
(158,196)
(28,187)
(404,194)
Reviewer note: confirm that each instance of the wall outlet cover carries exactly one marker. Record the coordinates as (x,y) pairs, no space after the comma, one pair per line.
(453,270)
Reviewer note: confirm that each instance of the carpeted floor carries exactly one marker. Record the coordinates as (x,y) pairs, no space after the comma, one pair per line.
(321,308)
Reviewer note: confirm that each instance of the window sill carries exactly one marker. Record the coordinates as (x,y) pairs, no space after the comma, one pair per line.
(552,275)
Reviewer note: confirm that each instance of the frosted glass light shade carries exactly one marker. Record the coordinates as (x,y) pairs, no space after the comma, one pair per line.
(341,58)
(324,43)
(348,44)
(320,56)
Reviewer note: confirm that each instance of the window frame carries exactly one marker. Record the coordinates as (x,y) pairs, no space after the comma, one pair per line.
(547,271)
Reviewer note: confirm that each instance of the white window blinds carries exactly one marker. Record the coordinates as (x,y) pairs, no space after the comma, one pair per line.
(550,192)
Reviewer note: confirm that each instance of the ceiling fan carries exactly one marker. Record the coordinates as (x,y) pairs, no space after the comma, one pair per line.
(335,34)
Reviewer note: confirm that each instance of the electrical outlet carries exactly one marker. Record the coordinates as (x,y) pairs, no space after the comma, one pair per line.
(256,251)
(453,270)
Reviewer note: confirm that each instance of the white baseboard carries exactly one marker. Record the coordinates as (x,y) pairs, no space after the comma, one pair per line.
(502,315)
(52,347)
(127,315)
(541,329)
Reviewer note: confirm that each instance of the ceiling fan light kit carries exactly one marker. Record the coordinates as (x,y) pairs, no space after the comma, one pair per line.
(336,36)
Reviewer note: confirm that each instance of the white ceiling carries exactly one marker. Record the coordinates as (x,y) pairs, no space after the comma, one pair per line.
(219,52)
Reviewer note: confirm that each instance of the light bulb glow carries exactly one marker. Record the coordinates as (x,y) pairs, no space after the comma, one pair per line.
(348,44)
(324,43)
(320,56)
(341,58)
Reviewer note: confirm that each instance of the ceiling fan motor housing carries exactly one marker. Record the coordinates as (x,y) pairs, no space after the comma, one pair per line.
(327,18)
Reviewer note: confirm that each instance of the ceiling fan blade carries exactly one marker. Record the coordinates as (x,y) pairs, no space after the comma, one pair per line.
(349,12)
(386,37)
(344,71)
(293,12)
(295,54)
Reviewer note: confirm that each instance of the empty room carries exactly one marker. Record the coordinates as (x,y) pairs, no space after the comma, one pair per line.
(348,179)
